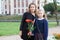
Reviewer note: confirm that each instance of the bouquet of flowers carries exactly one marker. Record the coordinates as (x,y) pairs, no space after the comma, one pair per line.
(30,25)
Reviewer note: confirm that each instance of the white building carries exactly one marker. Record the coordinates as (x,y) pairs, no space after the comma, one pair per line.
(11,7)
(0,6)
(5,7)
(19,6)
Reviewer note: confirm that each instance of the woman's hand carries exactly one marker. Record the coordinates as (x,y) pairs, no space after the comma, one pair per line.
(33,21)
(20,33)
(29,33)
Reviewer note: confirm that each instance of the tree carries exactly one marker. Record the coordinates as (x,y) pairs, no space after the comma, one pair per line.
(49,7)
(55,6)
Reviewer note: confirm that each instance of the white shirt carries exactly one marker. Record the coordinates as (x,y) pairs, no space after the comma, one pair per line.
(40,18)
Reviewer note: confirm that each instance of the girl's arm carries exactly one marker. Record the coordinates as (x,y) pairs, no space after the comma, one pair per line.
(45,29)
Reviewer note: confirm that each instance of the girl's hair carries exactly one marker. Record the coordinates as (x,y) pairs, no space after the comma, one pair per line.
(30,6)
(44,16)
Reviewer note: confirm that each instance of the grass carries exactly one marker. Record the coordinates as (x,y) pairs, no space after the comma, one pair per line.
(12,28)
(52,24)
(9,28)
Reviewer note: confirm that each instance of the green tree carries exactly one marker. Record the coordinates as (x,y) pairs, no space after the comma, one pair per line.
(49,7)
(55,6)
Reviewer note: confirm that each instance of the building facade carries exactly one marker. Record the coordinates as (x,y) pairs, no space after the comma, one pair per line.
(12,7)
(18,7)
(0,7)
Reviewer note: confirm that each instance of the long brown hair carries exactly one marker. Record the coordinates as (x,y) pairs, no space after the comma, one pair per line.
(28,10)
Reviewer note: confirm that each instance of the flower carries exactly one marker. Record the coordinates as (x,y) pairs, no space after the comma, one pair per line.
(57,35)
(28,20)
(30,25)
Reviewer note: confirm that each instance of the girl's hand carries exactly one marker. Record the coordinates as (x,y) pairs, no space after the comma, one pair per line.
(20,33)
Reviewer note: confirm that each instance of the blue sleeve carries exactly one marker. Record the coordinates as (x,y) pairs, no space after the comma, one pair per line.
(45,29)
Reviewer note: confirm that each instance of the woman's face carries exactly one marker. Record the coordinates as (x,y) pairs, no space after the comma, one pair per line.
(32,8)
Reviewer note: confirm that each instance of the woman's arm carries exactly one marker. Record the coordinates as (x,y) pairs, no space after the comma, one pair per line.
(21,26)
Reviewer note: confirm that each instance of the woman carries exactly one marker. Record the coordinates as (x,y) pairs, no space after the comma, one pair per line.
(24,25)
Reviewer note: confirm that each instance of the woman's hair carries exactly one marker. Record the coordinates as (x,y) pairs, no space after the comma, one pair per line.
(45,16)
(30,6)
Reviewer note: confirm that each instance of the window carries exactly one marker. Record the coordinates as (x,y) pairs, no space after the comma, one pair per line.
(22,3)
(1,0)
(26,3)
(5,0)
(18,0)
(18,3)
(5,12)
(9,1)
(14,10)
(15,3)
(22,10)
(5,6)
(26,9)
(18,10)
(2,13)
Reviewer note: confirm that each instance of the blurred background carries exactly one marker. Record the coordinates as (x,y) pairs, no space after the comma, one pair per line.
(11,12)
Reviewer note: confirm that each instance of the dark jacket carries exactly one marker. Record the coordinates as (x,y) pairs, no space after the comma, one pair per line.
(43,27)
(24,24)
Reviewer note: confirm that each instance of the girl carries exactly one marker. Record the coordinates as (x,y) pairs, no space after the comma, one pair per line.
(24,25)
(41,26)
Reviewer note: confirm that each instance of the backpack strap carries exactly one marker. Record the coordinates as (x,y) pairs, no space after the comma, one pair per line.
(38,29)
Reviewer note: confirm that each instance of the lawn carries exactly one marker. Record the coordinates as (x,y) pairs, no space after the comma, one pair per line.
(12,28)
(9,28)
(52,24)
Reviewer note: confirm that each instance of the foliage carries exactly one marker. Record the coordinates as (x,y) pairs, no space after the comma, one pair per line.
(49,7)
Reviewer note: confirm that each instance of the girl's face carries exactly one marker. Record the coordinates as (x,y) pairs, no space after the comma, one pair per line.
(40,14)
(32,8)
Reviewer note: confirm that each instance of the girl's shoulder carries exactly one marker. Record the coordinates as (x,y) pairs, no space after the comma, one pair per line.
(45,20)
